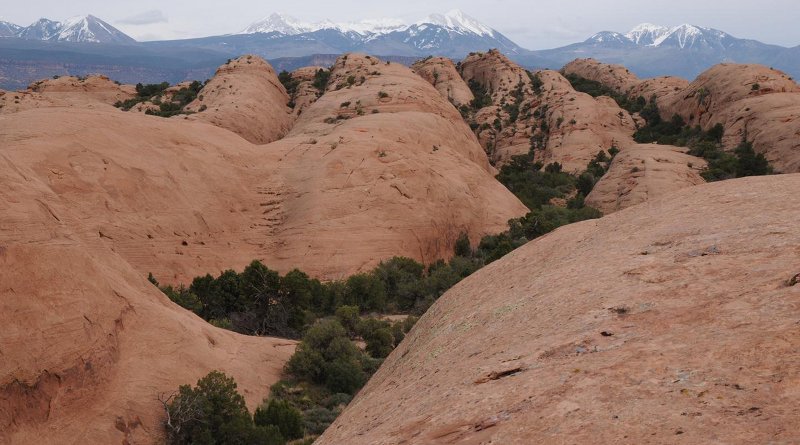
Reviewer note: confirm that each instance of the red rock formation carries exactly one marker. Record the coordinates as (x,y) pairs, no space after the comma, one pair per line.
(245,97)
(442,73)
(669,321)
(645,172)
(752,101)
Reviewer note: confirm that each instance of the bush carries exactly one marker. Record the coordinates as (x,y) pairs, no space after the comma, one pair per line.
(321,78)
(213,412)
(365,291)
(281,414)
(344,376)
(326,356)
(380,343)
(463,246)
(349,318)
(482,97)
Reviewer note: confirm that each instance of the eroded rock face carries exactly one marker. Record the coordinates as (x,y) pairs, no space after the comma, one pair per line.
(93,198)
(579,125)
(669,320)
(442,73)
(616,77)
(558,123)
(645,172)
(88,344)
(381,156)
(307,93)
(181,198)
(245,97)
(750,101)
(66,91)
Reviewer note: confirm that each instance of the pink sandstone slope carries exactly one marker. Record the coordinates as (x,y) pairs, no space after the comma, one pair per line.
(673,321)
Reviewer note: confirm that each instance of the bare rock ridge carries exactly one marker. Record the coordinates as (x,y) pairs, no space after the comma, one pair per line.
(442,73)
(245,96)
(66,91)
(381,156)
(670,321)
(752,101)
(559,123)
(93,198)
(181,198)
(89,345)
(645,172)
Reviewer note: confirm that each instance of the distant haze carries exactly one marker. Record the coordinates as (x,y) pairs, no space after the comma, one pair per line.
(533,25)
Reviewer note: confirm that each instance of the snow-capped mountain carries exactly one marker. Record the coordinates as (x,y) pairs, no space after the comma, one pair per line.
(42,29)
(454,20)
(655,50)
(90,29)
(608,38)
(682,36)
(291,26)
(75,29)
(8,29)
(453,33)
(646,33)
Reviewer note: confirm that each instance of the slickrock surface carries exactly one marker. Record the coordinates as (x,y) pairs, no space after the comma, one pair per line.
(441,72)
(181,198)
(384,166)
(88,345)
(580,125)
(668,322)
(621,80)
(306,93)
(752,101)
(616,77)
(561,124)
(66,91)
(645,172)
(245,97)
(93,198)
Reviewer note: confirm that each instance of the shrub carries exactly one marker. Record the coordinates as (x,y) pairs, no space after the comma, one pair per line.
(463,246)
(281,414)
(482,97)
(380,343)
(213,412)
(349,318)
(326,356)
(321,78)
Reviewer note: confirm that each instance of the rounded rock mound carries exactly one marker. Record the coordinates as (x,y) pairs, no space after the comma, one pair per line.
(670,321)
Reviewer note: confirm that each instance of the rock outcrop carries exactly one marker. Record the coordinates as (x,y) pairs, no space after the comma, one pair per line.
(542,112)
(750,101)
(245,97)
(88,345)
(66,91)
(93,198)
(382,165)
(670,321)
(350,186)
(442,73)
(578,125)
(645,172)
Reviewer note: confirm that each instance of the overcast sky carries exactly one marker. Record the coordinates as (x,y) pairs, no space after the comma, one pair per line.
(530,23)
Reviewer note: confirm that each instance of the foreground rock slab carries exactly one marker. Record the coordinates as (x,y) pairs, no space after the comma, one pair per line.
(674,321)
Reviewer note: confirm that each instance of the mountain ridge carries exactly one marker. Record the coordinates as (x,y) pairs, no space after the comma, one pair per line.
(85,29)
(648,50)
